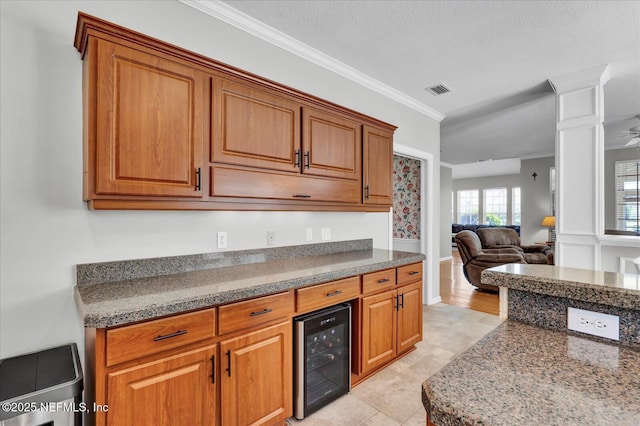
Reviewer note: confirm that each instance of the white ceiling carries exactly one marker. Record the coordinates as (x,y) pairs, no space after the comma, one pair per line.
(496,56)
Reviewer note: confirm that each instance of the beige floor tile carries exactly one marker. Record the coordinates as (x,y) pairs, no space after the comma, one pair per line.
(381,420)
(393,396)
(347,410)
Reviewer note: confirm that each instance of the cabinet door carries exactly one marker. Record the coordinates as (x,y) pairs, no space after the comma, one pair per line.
(409,316)
(331,145)
(173,391)
(256,377)
(149,130)
(378,329)
(254,127)
(378,166)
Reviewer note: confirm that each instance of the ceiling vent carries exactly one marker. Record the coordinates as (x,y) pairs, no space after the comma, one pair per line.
(438,89)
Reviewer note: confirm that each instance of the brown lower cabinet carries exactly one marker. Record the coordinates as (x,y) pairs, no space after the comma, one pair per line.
(233,364)
(176,390)
(391,324)
(256,370)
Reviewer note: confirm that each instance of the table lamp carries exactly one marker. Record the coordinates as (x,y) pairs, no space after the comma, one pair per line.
(550,222)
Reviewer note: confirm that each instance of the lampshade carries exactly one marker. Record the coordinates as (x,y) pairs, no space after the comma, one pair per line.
(548,221)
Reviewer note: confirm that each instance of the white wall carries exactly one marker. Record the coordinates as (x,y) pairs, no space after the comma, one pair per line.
(46,229)
(446,188)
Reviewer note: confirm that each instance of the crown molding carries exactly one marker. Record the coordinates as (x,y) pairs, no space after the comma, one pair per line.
(244,22)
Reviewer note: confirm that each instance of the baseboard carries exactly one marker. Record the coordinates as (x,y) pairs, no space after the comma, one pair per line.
(442,259)
(433,300)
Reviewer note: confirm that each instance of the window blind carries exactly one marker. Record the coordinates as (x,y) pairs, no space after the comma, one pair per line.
(628,196)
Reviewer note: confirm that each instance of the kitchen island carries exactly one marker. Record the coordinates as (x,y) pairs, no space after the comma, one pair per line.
(530,370)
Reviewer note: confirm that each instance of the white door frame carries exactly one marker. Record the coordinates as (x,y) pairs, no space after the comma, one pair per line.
(431,282)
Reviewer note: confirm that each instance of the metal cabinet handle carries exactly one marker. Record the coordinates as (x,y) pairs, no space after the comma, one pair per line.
(384,280)
(213,368)
(366,192)
(307,160)
(395,302)
(301,196)
(228,363)
(262,312)
(334,293)
(414,273)
(198,179)
(401,304)
(169,336)
(298,158)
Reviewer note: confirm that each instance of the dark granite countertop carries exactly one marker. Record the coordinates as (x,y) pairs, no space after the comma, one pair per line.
(605,288)
(259,272)
(526,375)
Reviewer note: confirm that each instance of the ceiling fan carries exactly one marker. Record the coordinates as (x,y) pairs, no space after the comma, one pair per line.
(634,132)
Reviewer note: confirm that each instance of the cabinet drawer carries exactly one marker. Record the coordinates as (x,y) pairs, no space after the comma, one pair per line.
(138,340)
(377,281)
(319,296)
(237,316)
(409,273)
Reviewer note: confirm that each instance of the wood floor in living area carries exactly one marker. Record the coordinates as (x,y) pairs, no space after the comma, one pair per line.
(455,289)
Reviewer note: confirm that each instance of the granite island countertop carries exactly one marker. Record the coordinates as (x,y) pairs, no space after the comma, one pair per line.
(605,288)
(526,375)
(251,273)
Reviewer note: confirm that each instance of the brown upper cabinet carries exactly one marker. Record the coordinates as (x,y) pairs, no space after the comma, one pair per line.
(378,166)
(146,129)
(165,128)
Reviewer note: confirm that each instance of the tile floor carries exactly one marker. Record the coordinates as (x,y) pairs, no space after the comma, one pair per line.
(393,396)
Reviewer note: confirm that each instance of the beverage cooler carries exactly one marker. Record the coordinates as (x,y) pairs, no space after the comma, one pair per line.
(322,355)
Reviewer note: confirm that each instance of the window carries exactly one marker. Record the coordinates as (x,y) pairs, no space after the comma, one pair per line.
(468,206)
(515,208)
(495,206)
(628,196)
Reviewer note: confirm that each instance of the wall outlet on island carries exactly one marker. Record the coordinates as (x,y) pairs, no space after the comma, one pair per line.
(325,234)
(594,323)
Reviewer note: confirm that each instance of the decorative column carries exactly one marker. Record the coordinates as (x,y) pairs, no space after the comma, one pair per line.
(580,167)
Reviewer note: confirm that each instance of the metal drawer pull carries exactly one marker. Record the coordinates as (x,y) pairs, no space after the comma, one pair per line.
(414,273)
(301,196)
(334,293)
(169,336)
(384,280)
(262,312)
(213,368)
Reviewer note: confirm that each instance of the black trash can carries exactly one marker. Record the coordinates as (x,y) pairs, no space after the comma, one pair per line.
(43,388)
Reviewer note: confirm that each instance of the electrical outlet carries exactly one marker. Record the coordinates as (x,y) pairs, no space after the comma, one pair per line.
(325,234)
(594,323)
(309,232)
(271,238)
(222,240)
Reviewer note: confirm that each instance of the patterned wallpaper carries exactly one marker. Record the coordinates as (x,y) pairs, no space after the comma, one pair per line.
(406,198)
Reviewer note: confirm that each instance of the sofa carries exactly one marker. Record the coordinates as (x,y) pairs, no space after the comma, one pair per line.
(489,247)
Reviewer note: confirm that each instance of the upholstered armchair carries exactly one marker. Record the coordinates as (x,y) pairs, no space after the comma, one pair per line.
(499,238)
(476,259)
